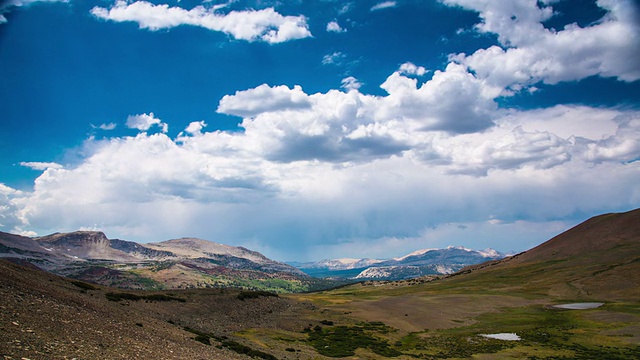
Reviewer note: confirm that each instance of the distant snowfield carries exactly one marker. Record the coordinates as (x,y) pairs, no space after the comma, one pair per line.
(579,306)
(503,336)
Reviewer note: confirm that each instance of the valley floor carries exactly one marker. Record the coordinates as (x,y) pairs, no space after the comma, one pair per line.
(43,316)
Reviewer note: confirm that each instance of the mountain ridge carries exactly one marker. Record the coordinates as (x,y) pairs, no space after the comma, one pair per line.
(175,263)
(422,262)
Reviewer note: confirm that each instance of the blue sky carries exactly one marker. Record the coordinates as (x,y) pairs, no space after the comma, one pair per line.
(319,129)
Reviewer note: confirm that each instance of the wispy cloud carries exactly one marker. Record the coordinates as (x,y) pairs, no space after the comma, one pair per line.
(384,5)
(105,126)
(41,165)
(251,25)
(351,83)
(333,58)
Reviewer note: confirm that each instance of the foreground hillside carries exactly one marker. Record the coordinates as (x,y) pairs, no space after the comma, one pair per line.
(45,316)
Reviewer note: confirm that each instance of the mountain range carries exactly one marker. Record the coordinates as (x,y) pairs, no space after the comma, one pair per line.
(418,263)
(171,264)
(197,263)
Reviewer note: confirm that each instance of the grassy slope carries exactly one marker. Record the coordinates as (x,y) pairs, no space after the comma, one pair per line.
(596,261)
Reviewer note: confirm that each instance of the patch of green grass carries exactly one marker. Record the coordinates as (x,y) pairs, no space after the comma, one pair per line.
(235,346)
(564,334)
(342,341)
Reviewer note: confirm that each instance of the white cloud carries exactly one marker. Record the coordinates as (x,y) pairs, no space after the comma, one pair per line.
(384,5)
(346,7)
(409,68)
(144,122)
(333,58)
(351,83)
(333,26)
(41,165)
(329,176)
(532,53)
(107,127)
(195,128)
(264,99)
(251,25)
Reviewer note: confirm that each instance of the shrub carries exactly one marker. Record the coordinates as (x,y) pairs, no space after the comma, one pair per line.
(203,339)
(255,294)
(342,341)
(83,285)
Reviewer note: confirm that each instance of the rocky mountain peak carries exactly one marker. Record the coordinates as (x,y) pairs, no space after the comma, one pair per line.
(75,239)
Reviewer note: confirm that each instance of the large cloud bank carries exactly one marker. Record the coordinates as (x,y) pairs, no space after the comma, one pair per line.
(346,172)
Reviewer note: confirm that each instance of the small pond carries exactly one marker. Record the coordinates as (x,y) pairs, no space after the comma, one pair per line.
(502,336)
(579,306)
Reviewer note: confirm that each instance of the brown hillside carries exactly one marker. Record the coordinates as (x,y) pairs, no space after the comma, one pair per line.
(597,259)
(44,316)
(599,234)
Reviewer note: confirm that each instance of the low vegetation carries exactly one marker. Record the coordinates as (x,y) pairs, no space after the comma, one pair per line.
(342,341)
(225,342)
(119,296)
(243,295)
(83,285)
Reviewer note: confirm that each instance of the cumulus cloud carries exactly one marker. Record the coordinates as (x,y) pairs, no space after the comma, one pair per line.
(150,187)
(251,25)
(384,5)
(264,99)
(409,68)
(144,122)
(333,26)
(531,53)
(195,128)
(332,170)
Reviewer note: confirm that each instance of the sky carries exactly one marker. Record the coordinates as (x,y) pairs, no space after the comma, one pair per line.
(319,129)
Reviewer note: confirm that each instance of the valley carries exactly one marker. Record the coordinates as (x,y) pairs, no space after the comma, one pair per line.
(430,317)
